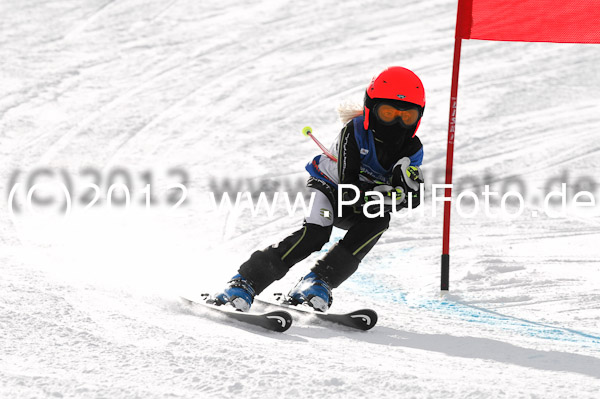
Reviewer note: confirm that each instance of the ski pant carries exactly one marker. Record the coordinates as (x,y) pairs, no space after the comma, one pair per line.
(340,262)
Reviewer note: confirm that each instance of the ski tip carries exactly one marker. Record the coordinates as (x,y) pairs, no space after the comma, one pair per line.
(364,319)
(279,320)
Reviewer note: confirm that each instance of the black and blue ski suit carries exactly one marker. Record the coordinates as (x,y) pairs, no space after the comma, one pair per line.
(363,158)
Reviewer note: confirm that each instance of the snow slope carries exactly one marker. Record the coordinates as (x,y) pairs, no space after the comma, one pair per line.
(207,94)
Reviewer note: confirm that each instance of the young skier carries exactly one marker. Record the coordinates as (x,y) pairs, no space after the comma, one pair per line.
(377,150)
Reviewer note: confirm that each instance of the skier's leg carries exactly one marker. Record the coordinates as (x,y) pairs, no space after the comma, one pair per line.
(272,263)
(340,262)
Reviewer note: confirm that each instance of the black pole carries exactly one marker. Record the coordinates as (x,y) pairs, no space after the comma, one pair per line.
(445,272)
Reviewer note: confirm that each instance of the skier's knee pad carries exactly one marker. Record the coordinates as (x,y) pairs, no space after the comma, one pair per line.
(337,265)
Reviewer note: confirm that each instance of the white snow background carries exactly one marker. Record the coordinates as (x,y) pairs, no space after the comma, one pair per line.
(203,93)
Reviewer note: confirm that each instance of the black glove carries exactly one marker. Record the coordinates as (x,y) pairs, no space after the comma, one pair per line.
(409,178)
(349,194)
(393,197)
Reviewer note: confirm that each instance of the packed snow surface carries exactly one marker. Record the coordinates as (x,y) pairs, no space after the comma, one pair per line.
(185,98)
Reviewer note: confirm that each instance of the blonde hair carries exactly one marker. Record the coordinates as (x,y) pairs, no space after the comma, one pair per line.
(349,110)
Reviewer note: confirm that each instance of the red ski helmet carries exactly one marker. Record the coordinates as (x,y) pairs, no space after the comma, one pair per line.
(397,84)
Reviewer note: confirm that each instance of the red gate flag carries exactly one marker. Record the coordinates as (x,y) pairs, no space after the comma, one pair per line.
(559,21)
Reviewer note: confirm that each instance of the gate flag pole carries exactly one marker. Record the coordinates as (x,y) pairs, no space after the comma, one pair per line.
(463,6)
(449,160)
(565,21)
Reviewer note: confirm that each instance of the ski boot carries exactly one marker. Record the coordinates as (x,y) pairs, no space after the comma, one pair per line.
(314,291)
(238,294)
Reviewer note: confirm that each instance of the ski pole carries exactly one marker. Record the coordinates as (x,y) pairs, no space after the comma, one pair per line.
(307,131)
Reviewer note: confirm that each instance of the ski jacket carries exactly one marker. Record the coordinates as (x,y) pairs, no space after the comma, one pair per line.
(362,160)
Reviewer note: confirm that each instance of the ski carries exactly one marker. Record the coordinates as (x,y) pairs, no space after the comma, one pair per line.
(278,321)
(362,319)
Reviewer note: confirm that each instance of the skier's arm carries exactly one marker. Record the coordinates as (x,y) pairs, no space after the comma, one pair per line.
(416,159)
(407,174)
(349,164)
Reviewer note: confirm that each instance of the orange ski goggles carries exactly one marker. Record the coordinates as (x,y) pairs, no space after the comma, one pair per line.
(387,114)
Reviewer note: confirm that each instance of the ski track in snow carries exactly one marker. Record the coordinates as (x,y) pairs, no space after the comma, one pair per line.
(88,304)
